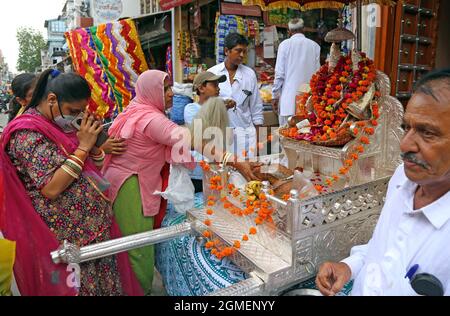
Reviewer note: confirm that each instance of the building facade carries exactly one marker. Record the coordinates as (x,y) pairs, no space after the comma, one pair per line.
(76,13)
(104,11)
(55,51)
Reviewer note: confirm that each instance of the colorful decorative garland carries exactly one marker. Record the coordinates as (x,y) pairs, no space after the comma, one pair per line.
(261,207)
(332,92)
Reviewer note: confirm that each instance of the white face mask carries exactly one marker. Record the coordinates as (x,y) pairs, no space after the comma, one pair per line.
(66,123)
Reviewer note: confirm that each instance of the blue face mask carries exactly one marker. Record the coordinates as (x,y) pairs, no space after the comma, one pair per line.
(65,123)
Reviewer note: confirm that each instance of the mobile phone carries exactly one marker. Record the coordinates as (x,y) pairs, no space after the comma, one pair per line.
(77,121)
(107,125)
(102,137)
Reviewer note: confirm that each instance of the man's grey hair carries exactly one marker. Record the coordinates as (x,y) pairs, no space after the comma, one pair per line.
(296,25)
(432,82)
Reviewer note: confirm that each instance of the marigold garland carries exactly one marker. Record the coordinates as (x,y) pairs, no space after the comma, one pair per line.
(261,207)
(331,94)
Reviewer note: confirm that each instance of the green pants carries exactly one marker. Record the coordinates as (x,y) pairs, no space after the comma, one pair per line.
(129,216)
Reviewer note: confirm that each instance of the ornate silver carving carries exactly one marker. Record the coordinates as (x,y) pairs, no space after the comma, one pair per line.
(337,206)
(253,286)
(380,158)
(306,232)
(393,131)
(66,253)
(268,250)
(332,243)
(383,83)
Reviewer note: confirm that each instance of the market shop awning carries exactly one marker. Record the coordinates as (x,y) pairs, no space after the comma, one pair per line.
(169,4)
(309,4)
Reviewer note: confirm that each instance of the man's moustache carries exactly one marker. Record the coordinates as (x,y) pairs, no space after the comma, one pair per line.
(411,157)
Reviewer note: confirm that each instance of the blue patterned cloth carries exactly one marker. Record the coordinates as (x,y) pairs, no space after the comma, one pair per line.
(187,268)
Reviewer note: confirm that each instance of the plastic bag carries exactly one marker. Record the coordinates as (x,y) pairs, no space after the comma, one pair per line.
(304,186)
(237,180)
(180,191)
(177,110)
(183,89)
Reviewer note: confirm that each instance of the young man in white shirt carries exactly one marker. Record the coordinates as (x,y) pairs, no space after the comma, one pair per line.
(298,58)
(411,238)
(241,86)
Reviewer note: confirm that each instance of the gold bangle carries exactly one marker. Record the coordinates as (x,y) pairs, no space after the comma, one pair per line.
(102,155)
(70,172)
(226,158)
(98,159)
(83,150)
(73,169)
(78,159)
(74,165)
(98,163)
(229,156)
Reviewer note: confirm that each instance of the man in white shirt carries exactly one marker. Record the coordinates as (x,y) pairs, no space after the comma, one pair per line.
(242,87)
(411,238)
(298,58)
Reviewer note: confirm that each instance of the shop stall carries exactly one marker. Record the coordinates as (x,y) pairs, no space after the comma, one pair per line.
(342,146)
(111,56)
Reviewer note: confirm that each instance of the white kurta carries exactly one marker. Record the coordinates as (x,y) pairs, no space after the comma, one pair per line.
(298,58)
(403,238)
(249,111)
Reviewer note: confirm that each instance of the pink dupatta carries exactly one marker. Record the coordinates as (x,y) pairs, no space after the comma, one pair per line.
(35,273)
(147,107)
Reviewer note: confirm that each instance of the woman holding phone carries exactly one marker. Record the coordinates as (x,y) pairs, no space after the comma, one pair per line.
(56,192)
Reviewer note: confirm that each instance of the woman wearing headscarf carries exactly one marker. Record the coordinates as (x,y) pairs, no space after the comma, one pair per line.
(53,191)
(144,167)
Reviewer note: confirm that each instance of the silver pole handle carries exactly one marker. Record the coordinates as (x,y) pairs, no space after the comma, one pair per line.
(70,254)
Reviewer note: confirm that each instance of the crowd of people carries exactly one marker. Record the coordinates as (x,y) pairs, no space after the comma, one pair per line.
(59,184)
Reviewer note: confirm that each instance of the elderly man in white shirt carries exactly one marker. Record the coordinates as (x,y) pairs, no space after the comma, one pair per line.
(241,86)
(298,58)
(409,252)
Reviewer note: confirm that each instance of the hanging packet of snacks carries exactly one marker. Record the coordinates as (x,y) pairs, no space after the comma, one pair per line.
(226,24)
(169,67)
(253,30)
(195,51)
(184,46)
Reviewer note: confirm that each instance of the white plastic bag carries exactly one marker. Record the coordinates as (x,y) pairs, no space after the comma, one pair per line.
(183,89)
(180,191)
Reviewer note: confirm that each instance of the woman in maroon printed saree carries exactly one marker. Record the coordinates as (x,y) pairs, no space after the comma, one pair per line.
(53,191)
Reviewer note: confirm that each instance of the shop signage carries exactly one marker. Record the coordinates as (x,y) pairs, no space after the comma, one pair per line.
(239,9)
(108,10)
(169,4)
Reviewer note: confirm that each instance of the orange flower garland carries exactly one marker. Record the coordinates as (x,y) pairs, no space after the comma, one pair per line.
(331,94)
(353,156)
(261,207)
